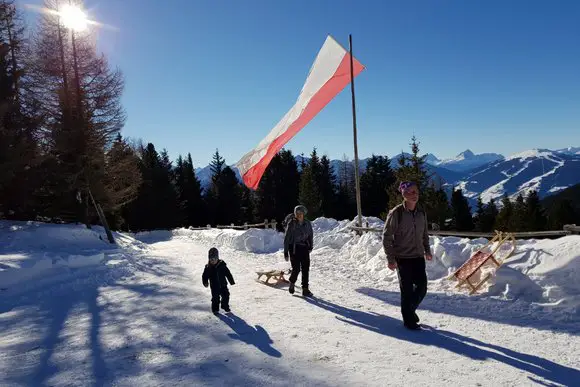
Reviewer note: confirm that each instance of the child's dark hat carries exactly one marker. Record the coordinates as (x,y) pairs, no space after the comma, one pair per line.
(213,253)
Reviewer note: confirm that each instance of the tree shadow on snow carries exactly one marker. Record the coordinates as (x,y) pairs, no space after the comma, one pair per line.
(483,308)
(459,344)
(130,333)
(256,336)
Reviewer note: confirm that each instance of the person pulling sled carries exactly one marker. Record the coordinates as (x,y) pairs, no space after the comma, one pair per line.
(298,243)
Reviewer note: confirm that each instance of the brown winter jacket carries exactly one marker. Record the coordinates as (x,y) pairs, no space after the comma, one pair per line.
(405,233)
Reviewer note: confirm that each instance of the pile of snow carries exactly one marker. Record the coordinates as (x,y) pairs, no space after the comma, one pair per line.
(34,252)
(540,271)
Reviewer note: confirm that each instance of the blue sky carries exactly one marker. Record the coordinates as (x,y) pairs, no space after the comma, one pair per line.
(492,76)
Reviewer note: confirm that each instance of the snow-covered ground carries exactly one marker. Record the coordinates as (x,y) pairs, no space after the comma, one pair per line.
(75,310)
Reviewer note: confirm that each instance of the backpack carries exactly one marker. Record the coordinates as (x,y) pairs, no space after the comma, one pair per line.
(288,220)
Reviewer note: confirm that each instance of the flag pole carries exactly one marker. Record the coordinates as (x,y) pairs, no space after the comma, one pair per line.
(356,164)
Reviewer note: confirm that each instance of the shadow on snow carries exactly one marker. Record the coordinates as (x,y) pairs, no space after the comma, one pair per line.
(459,344)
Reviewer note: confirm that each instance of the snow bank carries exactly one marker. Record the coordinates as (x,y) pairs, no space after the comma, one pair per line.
(37,251)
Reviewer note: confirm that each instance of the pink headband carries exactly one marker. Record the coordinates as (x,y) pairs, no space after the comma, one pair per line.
(406,185)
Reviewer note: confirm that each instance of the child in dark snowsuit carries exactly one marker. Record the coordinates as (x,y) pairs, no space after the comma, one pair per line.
(215,273)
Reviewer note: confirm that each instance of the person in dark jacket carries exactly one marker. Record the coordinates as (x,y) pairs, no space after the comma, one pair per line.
(406,244)
(216,274)
(298,243)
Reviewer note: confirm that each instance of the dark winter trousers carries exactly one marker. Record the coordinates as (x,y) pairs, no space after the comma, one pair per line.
(300,260)
(215,299)
(413,284)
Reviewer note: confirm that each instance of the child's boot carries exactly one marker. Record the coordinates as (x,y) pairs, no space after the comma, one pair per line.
(291,288)
(306,292)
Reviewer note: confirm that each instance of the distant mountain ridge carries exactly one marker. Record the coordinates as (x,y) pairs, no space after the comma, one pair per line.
(489,174)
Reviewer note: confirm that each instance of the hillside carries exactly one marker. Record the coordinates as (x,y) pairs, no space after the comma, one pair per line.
(545,171)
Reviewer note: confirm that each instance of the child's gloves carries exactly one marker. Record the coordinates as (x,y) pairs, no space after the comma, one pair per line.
(205,284)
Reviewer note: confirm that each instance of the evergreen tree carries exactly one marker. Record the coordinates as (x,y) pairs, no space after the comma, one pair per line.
(217,165)
(288,186)
(310,195)
(479,220)
(374,184)
(156,206)
(562,212)
(462,218)
(327,184)
(489,216)
(19,178)
(413,168)
(518,220)
(346,191)
(504,220)
(536,220)
(80,99)
(228,196)
(122,179)
(246,205)
(192,195)
(440,211)
(277,193)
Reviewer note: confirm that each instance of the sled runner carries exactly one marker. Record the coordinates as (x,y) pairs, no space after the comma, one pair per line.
(485,262)
(278,275)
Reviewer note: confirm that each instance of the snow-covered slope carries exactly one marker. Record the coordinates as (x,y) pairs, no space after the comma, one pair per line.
(540,169)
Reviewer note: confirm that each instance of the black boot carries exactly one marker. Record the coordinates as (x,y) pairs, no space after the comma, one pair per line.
(291,288)
(306,292)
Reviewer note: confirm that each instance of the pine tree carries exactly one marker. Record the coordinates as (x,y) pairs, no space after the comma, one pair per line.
(217,165)
(562,212)
(462,218)
(413,168)
(122,179)
(518,220)
(156,206)
(536,220)
(19,179)
(440,210)
(504,220)
(277,193)
(247,201)
(479,220)
(192,195)
(346,190)
(228,198)
(80,98)
(288,185)
(327,184)
(310,195)
(374,184)
(490,216)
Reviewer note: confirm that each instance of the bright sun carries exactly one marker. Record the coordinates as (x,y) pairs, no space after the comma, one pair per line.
(73,18)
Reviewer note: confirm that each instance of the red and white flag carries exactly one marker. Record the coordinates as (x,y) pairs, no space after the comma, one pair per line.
(329,74)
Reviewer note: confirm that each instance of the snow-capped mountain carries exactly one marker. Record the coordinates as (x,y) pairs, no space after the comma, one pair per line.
(467,160)
(542,170)
(570,150)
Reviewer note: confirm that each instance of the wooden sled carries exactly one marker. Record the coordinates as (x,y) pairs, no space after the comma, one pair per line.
(278,275)
(471,273)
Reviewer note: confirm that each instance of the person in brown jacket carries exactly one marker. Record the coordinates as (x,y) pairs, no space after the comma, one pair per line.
(406,244)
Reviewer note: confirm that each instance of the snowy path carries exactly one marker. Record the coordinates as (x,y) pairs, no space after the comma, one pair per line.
(155,329)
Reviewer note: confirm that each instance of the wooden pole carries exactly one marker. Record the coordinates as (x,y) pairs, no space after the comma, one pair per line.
(356,164)
(103,219)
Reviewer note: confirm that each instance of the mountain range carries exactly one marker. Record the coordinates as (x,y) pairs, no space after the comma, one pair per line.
(489,174)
